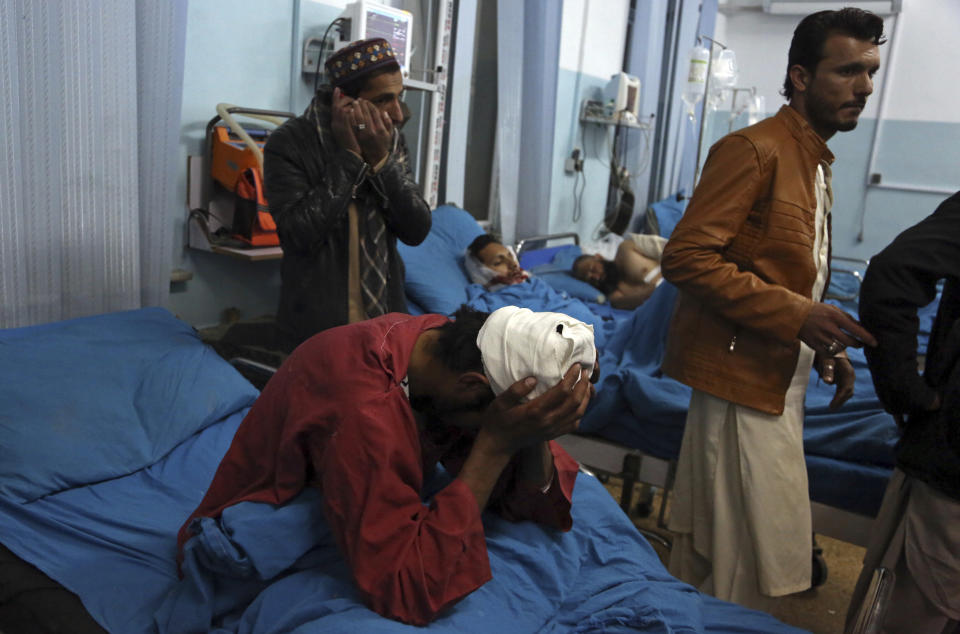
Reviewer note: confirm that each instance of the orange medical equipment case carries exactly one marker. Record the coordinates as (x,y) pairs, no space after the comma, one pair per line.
(235,154)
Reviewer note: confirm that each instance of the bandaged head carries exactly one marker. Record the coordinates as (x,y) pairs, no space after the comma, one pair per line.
(480,273)
(516,343)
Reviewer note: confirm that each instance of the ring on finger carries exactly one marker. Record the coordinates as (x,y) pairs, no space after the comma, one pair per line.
(834,347)
(363,126)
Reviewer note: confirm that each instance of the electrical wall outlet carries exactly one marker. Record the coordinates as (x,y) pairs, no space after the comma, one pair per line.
(573,163)
(311,56)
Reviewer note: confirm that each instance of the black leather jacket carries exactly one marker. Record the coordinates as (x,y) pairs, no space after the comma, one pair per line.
(310,181)
(900,280)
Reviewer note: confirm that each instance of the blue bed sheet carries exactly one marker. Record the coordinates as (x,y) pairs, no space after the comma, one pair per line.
(167,387)
(602,576)
(113,541)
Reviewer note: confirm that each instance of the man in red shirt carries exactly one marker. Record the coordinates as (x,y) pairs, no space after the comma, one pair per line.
(364,412)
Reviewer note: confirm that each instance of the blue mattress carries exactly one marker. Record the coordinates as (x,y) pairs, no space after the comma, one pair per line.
(99,509)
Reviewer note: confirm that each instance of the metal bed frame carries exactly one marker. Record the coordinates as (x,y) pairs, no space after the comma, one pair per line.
(539,242)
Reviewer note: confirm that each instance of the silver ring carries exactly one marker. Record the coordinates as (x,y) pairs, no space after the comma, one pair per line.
(834,347)
(361,126)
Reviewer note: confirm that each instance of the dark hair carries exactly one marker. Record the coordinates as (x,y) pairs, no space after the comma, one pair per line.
(457,343)
(581,258)
(353,87)
(806,48)
(479,243)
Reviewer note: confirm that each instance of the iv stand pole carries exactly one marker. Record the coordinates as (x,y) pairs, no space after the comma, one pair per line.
(703,109)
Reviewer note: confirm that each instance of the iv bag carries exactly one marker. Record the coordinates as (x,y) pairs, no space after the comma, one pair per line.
(723,77)
(696,79)
(724,70)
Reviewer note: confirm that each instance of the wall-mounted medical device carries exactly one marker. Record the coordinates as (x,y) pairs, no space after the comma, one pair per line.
(622,97)
(364,19)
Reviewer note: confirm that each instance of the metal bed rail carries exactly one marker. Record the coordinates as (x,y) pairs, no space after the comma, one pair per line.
(538,242)
(855,271)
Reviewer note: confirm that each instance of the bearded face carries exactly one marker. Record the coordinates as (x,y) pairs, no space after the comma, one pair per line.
(611,277)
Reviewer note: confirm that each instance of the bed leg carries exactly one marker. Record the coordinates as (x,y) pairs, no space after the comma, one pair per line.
(819,568)
(631,469)
(671,474)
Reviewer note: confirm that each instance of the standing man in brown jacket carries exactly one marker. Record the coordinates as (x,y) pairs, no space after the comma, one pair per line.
(751,260)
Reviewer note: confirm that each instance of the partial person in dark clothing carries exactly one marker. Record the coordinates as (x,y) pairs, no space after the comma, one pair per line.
(339,187)
(918,527)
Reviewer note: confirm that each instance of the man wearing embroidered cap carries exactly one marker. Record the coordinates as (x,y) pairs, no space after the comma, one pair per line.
(340,189)
(364,412)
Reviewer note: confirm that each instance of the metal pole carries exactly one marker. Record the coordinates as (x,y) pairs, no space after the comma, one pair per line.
(703,110)
(431,179)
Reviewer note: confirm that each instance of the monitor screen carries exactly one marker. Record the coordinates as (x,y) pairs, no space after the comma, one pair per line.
(632,90)
(391,28)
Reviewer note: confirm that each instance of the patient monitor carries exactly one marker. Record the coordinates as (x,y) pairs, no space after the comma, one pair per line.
(369,19)
(623,91)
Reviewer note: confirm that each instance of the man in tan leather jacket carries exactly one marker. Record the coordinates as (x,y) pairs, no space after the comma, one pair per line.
(751,260)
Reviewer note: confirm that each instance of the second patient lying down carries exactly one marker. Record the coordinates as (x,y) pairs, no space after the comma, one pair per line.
(631,277)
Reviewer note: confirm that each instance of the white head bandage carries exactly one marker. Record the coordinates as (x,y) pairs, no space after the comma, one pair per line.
(516,343)
(477,271)
(480,273)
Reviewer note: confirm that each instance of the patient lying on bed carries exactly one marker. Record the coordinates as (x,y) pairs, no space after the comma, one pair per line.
(631,277)
(364,412)
(491,264)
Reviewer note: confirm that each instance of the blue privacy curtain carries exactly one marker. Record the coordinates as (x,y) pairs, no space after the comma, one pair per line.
(528,45)
(90,94)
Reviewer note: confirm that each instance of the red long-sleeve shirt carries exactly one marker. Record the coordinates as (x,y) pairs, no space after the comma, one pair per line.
(336,415)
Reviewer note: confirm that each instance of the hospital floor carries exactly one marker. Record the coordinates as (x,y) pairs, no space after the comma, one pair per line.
(820,610)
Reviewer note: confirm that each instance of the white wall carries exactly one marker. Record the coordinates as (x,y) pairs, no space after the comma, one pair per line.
(240,52)
(924,85)
(593,36)
(591,50)
(918,143)
(761,42)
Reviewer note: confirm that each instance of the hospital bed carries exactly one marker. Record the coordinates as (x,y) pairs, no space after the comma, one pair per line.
(634,427)
(111,428)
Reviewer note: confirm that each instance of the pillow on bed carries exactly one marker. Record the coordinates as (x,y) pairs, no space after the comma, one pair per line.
(435,277)
(95,398)
(663,215)
(556,273)
(564,258)
(566,283)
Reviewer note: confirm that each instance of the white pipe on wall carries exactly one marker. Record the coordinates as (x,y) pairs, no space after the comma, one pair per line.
(295,55)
